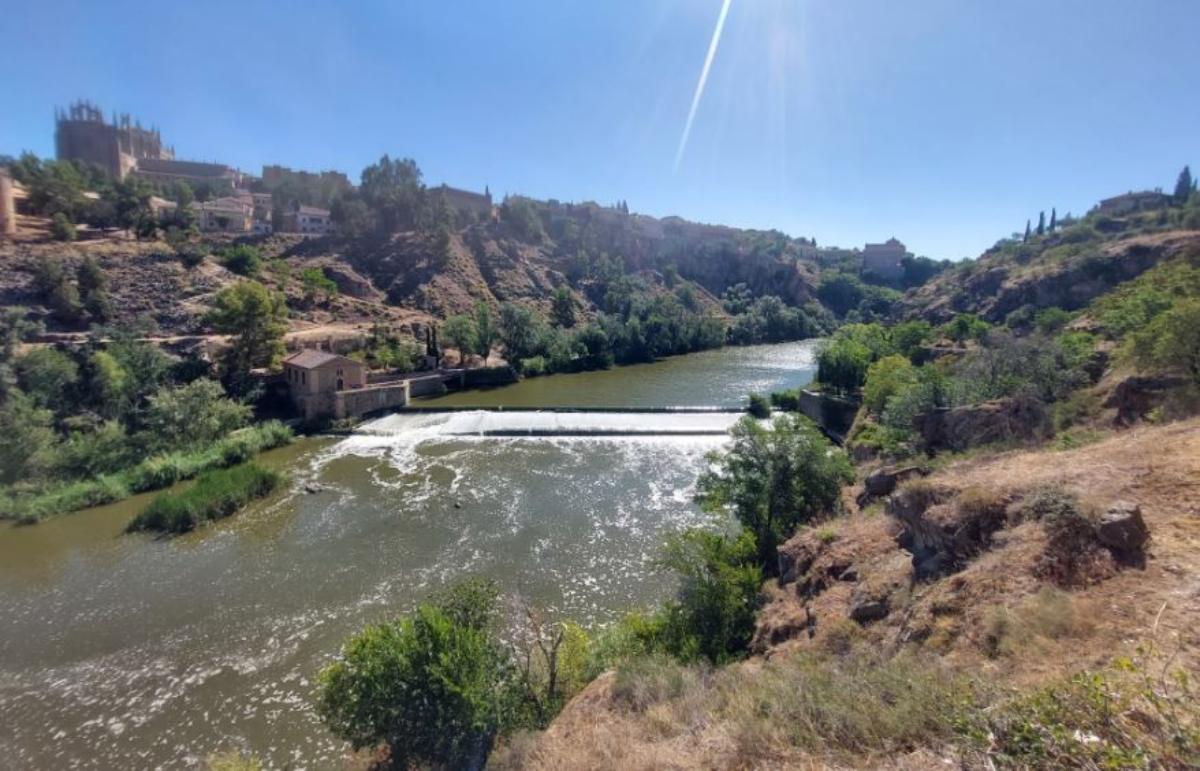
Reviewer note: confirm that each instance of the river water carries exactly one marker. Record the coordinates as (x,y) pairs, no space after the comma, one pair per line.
(127,652)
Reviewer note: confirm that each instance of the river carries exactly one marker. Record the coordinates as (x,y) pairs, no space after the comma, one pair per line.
(127,652)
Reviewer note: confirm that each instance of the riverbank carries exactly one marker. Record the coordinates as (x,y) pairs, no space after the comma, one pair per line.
(151,474)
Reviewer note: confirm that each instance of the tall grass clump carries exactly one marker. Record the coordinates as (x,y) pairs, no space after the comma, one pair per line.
(153,473)
(216,495)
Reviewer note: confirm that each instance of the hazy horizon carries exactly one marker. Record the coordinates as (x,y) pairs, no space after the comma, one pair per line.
(946,126)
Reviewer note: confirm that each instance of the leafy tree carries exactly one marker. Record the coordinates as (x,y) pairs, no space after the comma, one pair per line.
(713,613)
(909,336)
(393,191)
(1184,186)
(243,260)
(520,214)
(841,292)
(842,364)
(1172,340)
(257,317)
(459,332)
(886,378)
(775,478)
(93,289)
(193,414)
(108,384)
(562,307)
(518,332)
(317,285)
(102,450)
(57,290)
(48,376)
(966,326)
(30,444)
(434,688)
(62,228)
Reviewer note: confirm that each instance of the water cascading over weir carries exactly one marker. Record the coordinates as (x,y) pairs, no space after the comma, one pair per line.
(555,422)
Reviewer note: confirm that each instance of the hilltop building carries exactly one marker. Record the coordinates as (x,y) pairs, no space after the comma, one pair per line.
(465,201)
(82,134)
(300,218)
(216,177)
(229,214)
(1130,202)
(884,260)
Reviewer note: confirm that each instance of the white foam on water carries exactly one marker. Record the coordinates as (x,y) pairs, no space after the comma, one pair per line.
(490,423)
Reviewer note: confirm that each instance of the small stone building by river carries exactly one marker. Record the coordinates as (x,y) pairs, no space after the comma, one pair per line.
(327,385)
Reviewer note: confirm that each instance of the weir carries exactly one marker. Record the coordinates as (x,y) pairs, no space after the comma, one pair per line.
(554,422)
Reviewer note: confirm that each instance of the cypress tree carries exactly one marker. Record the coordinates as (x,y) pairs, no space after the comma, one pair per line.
(1041,223)
(1053,219)
(1027,231)
(1184,185)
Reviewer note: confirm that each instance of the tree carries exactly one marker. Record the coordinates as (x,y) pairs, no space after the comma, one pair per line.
(518,332)
(392,189)
(108,384)
(257,317)
(1053,219)
(62,228)
(841,292)
(562,307)
(885,378)
(1171,340)
(194,414)
(713,613)
(48,376)
(93,289)
(1041,228)
(775,478)
(434,687)
(56,289)
(842,364)
(29,447)
(485,331)
(243,260)
(1028,232)
(1184,185)
(316,284)
(459,332)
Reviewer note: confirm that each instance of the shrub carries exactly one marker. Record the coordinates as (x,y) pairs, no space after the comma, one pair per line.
(759,406)
(712,616)
(62,228)
(243,260)
(430,687)
(775,478)
(1172,340)
(886,378)
(215,495)
(787,401)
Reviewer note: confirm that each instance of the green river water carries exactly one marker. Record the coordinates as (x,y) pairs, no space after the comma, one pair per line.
(128,652)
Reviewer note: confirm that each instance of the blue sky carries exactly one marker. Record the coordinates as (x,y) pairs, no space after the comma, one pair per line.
(945,123)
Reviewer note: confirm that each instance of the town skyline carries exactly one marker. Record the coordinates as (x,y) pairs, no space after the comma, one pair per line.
(790,134)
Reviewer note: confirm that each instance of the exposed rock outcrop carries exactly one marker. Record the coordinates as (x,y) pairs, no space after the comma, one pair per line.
(999,420)
(1137,395)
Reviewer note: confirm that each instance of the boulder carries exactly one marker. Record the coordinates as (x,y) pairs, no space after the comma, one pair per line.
(1135,396)
(942,534)
(884,481)
(1123,530)
(864,609)
(999,420)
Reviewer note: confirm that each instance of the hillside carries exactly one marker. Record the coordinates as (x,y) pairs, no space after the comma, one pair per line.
(410,278)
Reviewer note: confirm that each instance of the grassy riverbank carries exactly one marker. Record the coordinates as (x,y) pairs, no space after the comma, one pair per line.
(153,473)
(217,494)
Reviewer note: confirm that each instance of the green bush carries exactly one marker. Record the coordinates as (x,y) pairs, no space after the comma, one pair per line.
(62,228)
(243,260)
(215,495)
(787,401)
(886,378)
(712,615)
(774,478)
(434,688)
(759,406)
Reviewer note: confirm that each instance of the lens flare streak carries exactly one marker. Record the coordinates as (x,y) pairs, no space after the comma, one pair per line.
(708,60)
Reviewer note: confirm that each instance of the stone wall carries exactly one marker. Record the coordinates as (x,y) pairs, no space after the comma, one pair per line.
(833,414)
(361,401)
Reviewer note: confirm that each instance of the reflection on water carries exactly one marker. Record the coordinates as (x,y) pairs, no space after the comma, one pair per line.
(132,652)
